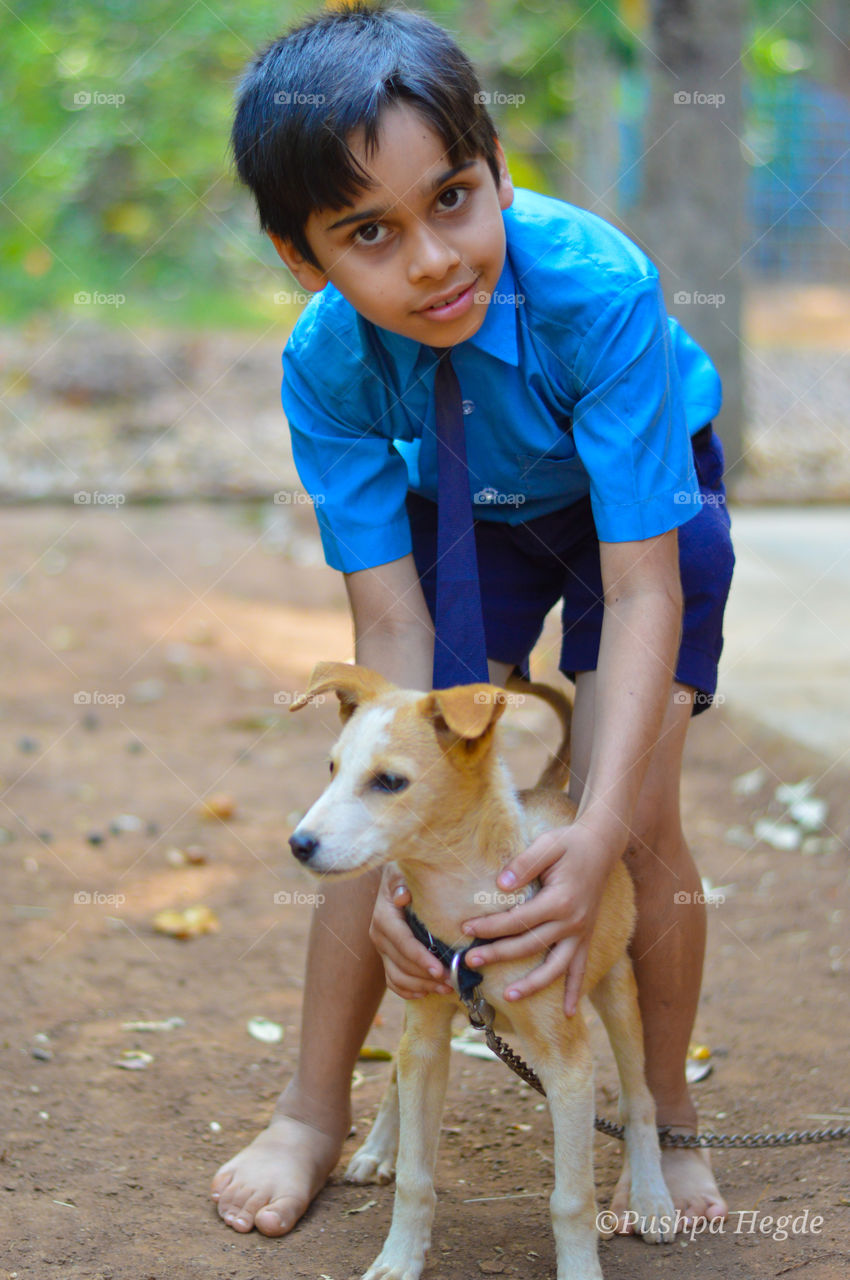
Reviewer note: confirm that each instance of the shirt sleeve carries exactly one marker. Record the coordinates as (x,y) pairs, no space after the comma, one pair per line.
(629,423)
(354,476)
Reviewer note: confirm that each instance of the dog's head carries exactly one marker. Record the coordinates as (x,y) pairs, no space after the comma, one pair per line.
(405,771)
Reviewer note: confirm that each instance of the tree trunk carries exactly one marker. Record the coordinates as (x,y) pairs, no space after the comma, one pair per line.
(690,215)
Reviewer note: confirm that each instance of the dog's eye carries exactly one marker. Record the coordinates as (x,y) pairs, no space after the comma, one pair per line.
(389,782)
(331,767)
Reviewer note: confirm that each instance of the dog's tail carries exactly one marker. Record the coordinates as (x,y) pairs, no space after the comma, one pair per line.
(557,771)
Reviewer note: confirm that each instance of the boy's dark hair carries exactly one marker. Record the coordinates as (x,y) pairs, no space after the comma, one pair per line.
(305,93)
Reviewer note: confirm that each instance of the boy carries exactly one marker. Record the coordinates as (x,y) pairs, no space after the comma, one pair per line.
(378,176)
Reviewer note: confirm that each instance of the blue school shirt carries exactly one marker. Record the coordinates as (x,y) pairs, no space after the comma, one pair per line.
(576,382)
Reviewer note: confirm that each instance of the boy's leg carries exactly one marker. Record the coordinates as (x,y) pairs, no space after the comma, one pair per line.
(668,945)
(270,1183)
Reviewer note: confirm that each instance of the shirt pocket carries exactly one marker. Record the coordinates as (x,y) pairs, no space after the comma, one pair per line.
(547,477)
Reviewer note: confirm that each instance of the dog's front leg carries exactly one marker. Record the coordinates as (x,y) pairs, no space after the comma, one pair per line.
(560,1051)
(650,1202)
(374,1161)
(423,1068)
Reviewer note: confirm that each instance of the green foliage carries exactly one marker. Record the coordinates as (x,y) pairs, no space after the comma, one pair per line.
(116,119)
(116,128)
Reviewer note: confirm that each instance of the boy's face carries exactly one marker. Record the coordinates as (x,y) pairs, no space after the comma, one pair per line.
(421,250)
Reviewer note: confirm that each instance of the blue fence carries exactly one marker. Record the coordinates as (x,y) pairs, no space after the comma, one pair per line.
(796,144)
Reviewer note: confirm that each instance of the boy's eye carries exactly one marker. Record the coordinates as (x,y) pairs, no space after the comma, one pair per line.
(454,197)
(371,233)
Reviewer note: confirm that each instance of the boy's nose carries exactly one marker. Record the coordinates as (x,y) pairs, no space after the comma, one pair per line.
(303,845)
(431,257)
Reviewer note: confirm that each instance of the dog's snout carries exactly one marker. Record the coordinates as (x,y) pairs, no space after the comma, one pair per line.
(303,845)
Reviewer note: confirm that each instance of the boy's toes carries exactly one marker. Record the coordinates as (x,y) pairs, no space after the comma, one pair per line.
(220,1183)
(231,1204)
(691,1180)
(243,1212)
(280,1216)
(703,1208)
(620,1204)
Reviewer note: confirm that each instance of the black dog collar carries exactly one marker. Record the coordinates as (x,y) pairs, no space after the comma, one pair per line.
(468,980)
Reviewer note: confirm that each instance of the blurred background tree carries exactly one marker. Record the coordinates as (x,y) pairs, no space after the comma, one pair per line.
(116,115)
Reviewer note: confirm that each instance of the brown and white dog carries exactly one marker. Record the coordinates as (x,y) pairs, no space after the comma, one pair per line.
(416,780)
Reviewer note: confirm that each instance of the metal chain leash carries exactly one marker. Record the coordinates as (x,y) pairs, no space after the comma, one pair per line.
(792,1138)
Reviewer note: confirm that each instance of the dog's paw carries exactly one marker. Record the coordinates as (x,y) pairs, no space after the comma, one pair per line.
(655,1218)
(365,1166)
(381,1270)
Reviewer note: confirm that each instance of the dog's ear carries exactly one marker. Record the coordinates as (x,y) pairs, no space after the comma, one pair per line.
(467,712)
(352,685)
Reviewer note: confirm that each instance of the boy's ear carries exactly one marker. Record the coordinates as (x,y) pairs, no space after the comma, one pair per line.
(305,273)
(506,186)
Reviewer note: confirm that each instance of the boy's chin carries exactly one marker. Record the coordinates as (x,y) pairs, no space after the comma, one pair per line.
(435,333)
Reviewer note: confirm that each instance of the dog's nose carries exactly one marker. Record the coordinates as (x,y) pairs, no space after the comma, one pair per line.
(303,845)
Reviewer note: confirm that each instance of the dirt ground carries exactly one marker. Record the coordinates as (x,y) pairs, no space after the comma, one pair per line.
(196,618)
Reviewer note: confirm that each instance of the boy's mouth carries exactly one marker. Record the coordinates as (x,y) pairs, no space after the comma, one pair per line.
(451,304)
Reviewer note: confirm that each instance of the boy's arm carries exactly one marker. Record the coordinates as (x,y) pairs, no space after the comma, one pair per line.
(393,632)
(394,635)
(637,661)
(637,656)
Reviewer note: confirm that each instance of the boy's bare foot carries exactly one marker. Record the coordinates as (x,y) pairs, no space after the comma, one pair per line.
(690,1181)
(272,1181)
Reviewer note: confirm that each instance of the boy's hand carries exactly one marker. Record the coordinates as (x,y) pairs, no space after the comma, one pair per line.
(573,864)
(410,969)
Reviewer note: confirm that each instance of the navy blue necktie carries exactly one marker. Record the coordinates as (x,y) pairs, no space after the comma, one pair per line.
(460,648)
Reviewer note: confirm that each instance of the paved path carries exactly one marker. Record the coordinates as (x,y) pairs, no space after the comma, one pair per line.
(787,654)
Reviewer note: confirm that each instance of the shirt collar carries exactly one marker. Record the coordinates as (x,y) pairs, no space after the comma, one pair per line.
(497,335)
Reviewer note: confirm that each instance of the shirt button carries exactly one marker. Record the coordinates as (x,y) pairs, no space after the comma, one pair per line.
(468,407)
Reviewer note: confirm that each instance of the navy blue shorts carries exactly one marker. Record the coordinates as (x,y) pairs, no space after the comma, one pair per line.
(525,569)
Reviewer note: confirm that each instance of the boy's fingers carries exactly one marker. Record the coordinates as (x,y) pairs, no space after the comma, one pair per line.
(408,988)
(407,971)
(490,926)
(415,958)
(397,890)
(529,916)
(523,944)
(526,866)
(551,968)
(575,977)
